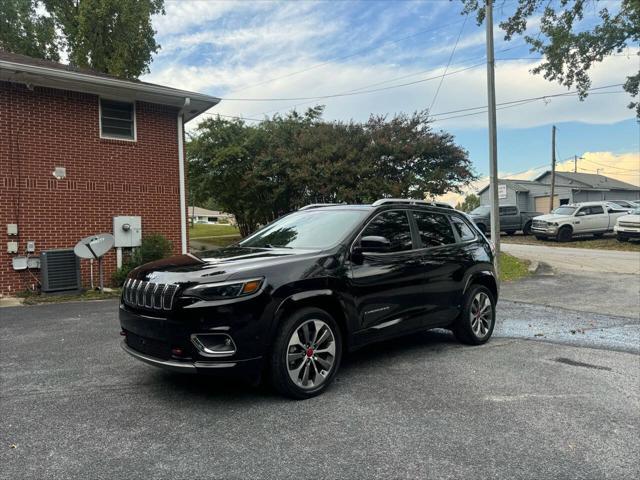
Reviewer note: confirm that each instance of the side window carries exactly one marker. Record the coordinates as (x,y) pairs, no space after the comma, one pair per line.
(391,228)
(464,231)
(509,211)
(434,228)
(582,212)
(596,210)
(117,120)
(501,210)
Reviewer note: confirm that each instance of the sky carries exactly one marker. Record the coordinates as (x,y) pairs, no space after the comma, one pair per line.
(244,50)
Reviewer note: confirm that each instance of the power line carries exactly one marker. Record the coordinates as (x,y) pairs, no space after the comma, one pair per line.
(611,166)
(453,51)
(343,57)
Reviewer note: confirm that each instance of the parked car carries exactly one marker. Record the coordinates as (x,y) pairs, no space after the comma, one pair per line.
(290,299)
(596,218)
(628,226)
(511,219)
(625,203)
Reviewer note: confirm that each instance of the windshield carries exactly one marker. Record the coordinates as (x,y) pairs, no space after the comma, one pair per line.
(481,210)
(564,210)
(311,229)
(635,211)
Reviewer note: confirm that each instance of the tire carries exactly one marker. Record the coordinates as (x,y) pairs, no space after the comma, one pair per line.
(564,234)
(527,229)
(464,329)
(623,239)
(290,346)
(511,233)
(483,228)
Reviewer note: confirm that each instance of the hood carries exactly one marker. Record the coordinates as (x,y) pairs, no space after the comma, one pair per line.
(629,218)
(216,265)
(551,217)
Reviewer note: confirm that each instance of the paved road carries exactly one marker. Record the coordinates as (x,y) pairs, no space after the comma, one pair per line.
(579,279)
(75,406)
(578,259)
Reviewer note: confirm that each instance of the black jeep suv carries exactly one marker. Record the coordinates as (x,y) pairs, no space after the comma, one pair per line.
(290,299)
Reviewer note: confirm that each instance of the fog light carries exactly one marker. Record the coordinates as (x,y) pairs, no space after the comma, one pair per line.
(214,344)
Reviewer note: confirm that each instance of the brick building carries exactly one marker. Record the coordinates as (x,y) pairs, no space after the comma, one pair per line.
(78,148)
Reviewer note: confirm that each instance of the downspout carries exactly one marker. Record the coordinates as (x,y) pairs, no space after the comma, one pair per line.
(183,189)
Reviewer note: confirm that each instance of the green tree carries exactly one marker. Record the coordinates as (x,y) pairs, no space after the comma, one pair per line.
(24,31)
(111,36)
(571,49)
(469,203)
(259,172)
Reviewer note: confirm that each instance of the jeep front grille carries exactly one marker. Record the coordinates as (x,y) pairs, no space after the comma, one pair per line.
(153,296)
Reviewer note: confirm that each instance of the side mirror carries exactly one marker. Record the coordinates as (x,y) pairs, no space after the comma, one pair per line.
(581,214)
(375,244)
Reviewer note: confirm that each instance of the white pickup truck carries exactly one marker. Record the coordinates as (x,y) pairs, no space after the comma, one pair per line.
(628,226)
(588,218)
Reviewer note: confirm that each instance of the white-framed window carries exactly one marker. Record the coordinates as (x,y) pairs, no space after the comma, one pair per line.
(117,119)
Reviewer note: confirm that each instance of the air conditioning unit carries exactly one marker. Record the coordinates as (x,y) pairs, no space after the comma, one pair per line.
(60,271)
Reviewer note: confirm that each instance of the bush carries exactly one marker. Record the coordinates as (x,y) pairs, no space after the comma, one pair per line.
(153,247)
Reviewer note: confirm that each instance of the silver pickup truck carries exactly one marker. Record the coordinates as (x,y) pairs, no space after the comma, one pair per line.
(511,219)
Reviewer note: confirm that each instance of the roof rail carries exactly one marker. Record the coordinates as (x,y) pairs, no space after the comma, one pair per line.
(410,201)
(318,205)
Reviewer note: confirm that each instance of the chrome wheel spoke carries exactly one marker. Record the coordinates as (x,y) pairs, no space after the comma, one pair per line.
(311,354)
(481,314)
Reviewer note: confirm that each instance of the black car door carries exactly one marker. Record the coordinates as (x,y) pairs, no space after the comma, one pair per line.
(443,262)
(386,279)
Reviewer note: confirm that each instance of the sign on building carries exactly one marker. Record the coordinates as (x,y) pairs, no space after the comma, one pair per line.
(502,191)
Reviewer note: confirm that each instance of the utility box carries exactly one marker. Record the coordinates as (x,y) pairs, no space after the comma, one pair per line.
(127,231)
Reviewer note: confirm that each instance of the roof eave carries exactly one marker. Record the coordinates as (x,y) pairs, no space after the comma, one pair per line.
(107,86)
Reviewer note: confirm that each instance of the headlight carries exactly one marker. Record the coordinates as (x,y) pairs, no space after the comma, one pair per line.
(225,290)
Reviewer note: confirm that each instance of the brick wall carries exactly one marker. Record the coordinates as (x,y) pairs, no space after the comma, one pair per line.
(43,128)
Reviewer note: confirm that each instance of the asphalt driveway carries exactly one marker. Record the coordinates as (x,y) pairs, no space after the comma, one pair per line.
(73,405)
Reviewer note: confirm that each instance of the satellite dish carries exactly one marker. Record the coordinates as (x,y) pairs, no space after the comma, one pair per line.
(94,246)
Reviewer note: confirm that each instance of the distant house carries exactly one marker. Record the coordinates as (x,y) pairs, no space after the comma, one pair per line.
(534,195)
(78,148)
(211,217)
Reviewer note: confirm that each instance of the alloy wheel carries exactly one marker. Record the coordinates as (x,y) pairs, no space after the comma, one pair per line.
(311,354)
(481,314)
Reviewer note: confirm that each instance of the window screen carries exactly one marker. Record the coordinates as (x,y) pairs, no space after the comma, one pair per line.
(116,119)
(464,231)
(394,226)
(434,229)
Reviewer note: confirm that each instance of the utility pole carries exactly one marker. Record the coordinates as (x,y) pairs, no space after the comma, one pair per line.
(553,166)
(493,139)
(575,164)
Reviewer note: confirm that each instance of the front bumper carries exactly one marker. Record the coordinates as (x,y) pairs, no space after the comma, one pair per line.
(627,233)
(249,366)
(549,230)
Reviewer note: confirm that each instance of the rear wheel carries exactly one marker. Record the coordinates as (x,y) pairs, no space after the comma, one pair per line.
(475,324)
(306,354)
(564,234)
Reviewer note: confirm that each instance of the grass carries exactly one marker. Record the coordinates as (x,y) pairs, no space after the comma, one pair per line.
(512,268)
(204,230)
(32,298)
(608,242)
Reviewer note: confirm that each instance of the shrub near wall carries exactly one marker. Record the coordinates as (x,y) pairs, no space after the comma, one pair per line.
(153,247)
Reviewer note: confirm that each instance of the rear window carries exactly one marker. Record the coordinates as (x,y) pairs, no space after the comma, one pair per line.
(464,231)
(434,229)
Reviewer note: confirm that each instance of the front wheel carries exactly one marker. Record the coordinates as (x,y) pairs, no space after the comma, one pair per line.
(564,234)
(306,354)
(527,229)
(475,324)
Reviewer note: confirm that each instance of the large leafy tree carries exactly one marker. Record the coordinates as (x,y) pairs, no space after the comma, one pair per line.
(259,172)
(24,31)
(111,36)
(569,45)
(470,202)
